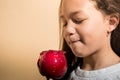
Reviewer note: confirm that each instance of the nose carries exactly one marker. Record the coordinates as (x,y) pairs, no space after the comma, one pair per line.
(69,30)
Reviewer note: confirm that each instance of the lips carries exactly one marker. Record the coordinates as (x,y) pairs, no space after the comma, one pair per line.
(73,39)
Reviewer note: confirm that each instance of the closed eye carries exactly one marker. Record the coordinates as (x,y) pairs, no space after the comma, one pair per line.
(63,21)
(64,24)
(78,21)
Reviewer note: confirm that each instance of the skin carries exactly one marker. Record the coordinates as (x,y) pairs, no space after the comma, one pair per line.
(87,32)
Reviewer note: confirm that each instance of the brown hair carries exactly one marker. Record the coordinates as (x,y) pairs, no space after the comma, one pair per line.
(107,7)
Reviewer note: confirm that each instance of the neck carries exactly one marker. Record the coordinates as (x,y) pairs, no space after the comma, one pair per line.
(100,59)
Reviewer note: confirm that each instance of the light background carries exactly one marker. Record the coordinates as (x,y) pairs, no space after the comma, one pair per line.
(27,27)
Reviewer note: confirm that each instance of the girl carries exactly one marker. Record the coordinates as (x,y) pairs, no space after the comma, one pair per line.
(91,31)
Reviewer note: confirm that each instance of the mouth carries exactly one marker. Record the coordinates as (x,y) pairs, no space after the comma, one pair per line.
(72,42)
(73,39)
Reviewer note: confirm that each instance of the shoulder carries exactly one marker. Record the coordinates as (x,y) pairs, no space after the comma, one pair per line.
(109,73)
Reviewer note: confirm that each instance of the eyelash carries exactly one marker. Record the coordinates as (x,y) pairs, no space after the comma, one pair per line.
(64,24)
(75,21)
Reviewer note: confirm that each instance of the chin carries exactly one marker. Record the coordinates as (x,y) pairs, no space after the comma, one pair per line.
(78,53)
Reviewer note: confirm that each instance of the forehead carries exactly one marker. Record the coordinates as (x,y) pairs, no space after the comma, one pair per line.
(75,5)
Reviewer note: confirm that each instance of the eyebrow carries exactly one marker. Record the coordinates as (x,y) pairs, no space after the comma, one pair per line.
(71,14)
(74,13)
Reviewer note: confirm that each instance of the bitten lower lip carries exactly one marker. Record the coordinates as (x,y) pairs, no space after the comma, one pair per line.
(71,42)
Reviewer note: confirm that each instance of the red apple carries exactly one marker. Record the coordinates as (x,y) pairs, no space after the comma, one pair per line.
(52,64)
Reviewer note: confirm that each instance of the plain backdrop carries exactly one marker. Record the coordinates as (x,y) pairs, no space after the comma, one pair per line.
(27,27)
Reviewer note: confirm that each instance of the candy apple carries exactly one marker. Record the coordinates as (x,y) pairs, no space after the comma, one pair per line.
(52,63)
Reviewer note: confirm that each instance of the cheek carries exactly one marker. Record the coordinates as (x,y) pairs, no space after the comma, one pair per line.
(95,28)
(64,34)
(93,32)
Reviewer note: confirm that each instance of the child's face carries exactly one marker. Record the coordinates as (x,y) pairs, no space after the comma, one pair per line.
(85,27)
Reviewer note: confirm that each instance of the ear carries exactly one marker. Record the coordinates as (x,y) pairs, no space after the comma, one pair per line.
(113,21)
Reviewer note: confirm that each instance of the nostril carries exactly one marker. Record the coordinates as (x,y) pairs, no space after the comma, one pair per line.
(70,33)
